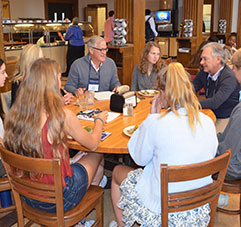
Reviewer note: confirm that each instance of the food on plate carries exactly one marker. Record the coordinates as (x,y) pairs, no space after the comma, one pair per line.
(132,130)
(148,92)
(88,129)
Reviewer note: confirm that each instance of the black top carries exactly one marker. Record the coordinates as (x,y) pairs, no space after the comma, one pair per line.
(15,86)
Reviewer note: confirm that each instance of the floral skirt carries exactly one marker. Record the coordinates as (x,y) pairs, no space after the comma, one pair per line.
(135,211)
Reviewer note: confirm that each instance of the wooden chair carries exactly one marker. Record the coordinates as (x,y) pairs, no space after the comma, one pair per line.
(193,72)
(181,201)
(232,187)
(22,186)
(4,185)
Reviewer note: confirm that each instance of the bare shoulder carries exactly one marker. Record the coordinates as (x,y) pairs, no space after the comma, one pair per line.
(69,116)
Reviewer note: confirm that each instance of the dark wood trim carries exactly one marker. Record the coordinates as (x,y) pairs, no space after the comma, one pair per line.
(239,25)
(74,2)
(226,12)
(2,53)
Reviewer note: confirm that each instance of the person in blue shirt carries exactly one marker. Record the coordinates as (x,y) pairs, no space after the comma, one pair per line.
(76,46)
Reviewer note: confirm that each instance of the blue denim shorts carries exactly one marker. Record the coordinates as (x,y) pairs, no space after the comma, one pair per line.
(74,190)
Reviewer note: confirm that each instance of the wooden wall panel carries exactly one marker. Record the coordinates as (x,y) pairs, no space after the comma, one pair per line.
(134,12)
(226,12)
(74,2)
(2,55)
(193,9)
(239,26)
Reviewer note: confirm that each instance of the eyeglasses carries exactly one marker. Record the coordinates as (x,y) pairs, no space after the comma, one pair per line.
(101,49)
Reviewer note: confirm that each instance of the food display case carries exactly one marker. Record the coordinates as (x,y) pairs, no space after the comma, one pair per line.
(30,31)
(21,32)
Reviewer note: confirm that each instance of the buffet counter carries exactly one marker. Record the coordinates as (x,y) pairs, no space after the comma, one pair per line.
(55,52)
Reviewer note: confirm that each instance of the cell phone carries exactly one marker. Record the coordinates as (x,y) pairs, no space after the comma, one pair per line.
(105,135)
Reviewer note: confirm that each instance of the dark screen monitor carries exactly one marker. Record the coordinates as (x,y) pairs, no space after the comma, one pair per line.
(163,16)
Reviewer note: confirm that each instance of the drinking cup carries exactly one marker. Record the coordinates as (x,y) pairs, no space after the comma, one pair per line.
(91,96)
(83,100)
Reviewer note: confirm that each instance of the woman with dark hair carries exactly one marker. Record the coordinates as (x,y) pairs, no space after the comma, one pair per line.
(144,74)
(37,126)
(76,45)
(3,76)
(230,47)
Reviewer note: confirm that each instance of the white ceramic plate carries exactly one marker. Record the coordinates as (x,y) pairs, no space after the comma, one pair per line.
(127,130)
(148,93)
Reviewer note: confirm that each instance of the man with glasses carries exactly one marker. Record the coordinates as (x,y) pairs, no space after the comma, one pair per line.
(93,72)
(219,82)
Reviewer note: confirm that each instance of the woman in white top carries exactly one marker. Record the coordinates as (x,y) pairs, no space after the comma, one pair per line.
(179,135)
(3,76)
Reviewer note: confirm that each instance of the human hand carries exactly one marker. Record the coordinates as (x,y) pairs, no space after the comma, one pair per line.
(68,98)
(79,91)
(227,47)
(115,89)
(159,102)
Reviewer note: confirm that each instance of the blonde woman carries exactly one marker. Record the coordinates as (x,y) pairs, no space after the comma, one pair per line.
(178,135)
(37,126)
(29,54)
(145,72)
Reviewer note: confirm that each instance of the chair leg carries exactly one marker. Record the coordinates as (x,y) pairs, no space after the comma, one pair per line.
(239,209)
(99,212)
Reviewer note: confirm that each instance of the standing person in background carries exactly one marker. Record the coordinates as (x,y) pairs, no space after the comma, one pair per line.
(144,74)
(109,27)
(149,19)
(76,45)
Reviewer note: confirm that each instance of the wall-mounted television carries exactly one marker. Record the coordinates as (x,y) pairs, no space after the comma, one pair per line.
(163,16)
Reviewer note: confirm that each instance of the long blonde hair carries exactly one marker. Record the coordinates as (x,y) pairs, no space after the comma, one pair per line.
(175,83)
(29,54)
(236,59)
(39,93)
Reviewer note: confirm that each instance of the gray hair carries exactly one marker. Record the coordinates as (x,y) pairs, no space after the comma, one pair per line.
(94,41)
(217,50)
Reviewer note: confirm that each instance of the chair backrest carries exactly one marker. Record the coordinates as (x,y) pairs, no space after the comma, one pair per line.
(181,201)
(32,189)
(193,72)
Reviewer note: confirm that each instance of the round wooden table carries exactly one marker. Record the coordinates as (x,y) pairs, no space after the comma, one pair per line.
(116,143)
